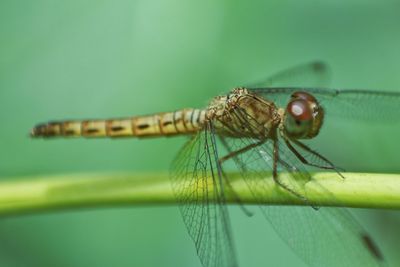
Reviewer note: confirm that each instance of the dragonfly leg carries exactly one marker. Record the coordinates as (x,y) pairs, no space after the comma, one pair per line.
(275,172)
(233,154)
(330,165)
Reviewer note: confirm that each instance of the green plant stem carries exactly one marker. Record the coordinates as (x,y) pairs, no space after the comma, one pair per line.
(35,194)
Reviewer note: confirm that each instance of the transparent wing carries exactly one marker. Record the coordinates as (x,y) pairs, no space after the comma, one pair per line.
(197,184)
(312,74)
(352,104)
(327,229)
(325,237)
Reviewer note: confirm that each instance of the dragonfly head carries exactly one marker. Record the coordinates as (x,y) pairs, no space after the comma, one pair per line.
(303,116)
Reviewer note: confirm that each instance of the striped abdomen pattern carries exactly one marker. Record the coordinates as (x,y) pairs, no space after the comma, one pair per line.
(183,121)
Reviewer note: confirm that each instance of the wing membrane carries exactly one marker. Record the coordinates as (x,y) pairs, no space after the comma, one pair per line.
(322,237)
(347,104)
(199,188)
(312,74)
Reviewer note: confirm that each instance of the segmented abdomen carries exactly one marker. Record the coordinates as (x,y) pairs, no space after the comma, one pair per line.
(183,121)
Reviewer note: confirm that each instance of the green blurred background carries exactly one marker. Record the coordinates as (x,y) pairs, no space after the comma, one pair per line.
(93,59)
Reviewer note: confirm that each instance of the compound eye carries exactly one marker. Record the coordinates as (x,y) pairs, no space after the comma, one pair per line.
(300,110)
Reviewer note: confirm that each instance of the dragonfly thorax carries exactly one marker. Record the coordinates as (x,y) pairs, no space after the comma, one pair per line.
(242,113)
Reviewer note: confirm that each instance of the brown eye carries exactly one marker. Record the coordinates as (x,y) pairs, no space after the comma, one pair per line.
(300,110)
(303,116)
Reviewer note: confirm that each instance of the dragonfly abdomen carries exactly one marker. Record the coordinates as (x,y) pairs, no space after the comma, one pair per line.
(183,121)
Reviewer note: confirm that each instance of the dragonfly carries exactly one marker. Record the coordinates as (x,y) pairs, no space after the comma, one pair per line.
(253,131)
